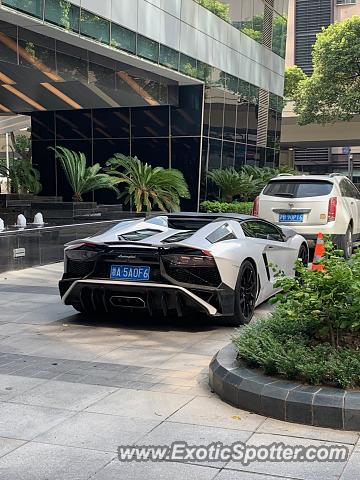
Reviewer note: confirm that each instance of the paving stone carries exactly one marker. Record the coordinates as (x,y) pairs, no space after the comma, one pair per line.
(295,469)
(25,422)
(97,431)
(8,445)
(36,461)
(194,435)
(11,386)
(352,469)
(237,475)
(155,471)
(213,412)
(140,404)
(278,427)
(69,396)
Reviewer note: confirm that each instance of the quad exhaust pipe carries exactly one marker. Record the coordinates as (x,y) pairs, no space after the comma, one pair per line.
(127,302)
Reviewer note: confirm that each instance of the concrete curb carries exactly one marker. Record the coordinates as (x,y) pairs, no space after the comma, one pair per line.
(250,390)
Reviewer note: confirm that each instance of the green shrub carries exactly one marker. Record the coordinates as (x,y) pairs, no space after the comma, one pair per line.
(268,345)
(223,207)
(313,334)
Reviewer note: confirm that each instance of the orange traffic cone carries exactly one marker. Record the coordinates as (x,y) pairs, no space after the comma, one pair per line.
(319,253)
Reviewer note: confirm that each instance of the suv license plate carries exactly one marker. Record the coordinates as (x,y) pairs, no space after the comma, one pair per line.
(291,217)
(130,272)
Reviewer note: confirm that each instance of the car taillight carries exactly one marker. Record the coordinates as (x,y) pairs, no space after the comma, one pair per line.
(82,251)
(255,209)
(332,209)
(204,260)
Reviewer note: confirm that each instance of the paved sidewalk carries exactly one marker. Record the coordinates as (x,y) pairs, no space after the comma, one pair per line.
(73,389)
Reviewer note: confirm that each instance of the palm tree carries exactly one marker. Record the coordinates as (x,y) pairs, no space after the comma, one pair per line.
(264,174)
(81,178)
(148,186)
(231,183)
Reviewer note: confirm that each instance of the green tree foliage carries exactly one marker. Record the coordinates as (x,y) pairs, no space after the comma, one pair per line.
(246,183)
(333,91)
(146,186)
(313,334)
(220,9)
(254,29)
(232,183)
(293,76)
(81,178)
(22,175)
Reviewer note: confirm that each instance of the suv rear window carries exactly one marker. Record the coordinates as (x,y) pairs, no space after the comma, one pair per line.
(298,188)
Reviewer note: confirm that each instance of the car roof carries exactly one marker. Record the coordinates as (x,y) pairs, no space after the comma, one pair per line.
(202,216)
(328,178)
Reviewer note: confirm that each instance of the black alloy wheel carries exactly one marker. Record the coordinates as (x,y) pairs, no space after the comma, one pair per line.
(245,296)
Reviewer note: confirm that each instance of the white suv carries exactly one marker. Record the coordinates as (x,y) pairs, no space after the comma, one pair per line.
(310,204)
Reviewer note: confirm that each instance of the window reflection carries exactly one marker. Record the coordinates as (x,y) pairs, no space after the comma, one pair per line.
(169,57)
(8,39)
(94,26)
(32,7)
(62,13)
(188,65)
(227,154)
(123,38)
(147,48)
(101,76)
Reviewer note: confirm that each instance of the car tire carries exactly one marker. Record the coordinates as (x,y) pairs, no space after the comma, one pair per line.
(303,255)
(245,296)
(345,242)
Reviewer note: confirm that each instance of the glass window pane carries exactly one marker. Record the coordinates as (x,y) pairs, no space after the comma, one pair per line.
(185,156)
(32,7)
(62,13)
(123,38)
(8,40)
(279,35)
(240,154)
(150,122)
(217,113)
(71,67)
(36,56)
(152,150)
(101,76)
(94,27)
(272,129)
(188,65)
(186,118)
(229,119)
(111,123)
(147,48)
(204,72)
(228,155)
(215,148)
(169,57)
(73,124)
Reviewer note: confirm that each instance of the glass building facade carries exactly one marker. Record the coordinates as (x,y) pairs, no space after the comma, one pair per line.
(103,104)
(263,20)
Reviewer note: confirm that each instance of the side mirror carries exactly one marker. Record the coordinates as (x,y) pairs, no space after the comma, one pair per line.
(288,232)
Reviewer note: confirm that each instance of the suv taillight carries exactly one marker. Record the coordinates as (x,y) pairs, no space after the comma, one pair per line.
(332,209)
(255,209)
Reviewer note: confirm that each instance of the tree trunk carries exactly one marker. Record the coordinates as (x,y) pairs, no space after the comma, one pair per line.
(77,197)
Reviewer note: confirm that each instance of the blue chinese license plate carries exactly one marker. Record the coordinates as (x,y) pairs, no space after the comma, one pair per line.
(291,217)
(130,272)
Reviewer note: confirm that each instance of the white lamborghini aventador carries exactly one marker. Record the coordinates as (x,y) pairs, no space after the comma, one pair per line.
(219,264)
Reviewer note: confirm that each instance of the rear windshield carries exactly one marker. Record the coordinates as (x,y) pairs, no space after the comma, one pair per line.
(298,188)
